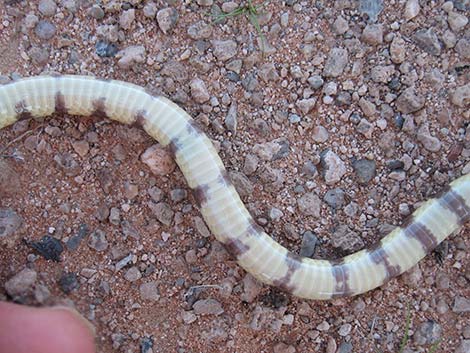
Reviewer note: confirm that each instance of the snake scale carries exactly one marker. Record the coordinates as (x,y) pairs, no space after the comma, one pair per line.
(219,202)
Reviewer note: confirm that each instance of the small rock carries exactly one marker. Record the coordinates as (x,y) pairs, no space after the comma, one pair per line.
(133,274)
(463,48)
(333,167)
(457,21)
(231,118)
(149,291)
(460,97)
(319,134)
(461,305)
(224,49)
(281,347)
(81,147)
(346,240)
(367,107)
(242,184)
(115,216)
(200,30)
(22,283)
(199,91)
(130,190)
(373,34)
(167,19)
(345,330)
(98,240)
(45,30)
(464,347)
(251,288)
(105,49)
(371,8)
(365,170)
(96,12)
(158,160)
(306,105)
(397,49)
(413,277)
(178,195)
(428,41)
(340,26)
(331,345)
(409,101)
(411,9)
(162,212)
(48,247)
(310,205)
(134,54)
(429,142)
(336,62)
(68,164)
(428,332)
(207,307)
(309,241)
(10,222)
(127,18)
(146,345)
(150,9)
(68,282)
(334,198)
(47,7)
(40,56)
(75,240)
(315,81)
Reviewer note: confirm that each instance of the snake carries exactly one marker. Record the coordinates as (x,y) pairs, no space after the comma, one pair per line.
(218,201)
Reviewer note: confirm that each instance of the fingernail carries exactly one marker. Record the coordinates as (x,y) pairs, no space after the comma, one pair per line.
(76,314)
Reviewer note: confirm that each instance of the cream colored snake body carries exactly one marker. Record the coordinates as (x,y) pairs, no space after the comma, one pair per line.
(220,205)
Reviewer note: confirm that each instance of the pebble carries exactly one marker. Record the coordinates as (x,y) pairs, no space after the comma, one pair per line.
(334,198)
(340,26)
(336,62)
(158,160)
(133,274)
(199,90)
(461,305)
(22,283)
(47,8)
(30,21)
(398,49)
(74,241)
(167,19)
(123,262)
(67,163)
(320,134)
(368,108)
(150,9)
(365,170)
(428,332)
(162,212)
(251,288)
(146,345)
(242,184)
(333,167)
(428,41)
(48,247)
(409,102)
(463,48)
(231,118)
(200,30)
(464,347)
(105,49)
(373,34)
(331,345)
(310,205)
(127,18)
(224,49)
(128,57)
(10,222)
(345,330)
(207,307)
(81,147)
(429,142)
(45,30)
(413,277)
(68,281)
(98,241)
(315,81)
(96,12)
(346,240)
(346,347)
(412,9)
(371,8)
(457,21)
(459,97)
(115,216)
(309,242)
(149,291)
(306,105)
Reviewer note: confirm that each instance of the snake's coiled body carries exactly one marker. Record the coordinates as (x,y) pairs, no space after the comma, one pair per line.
(220,205)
